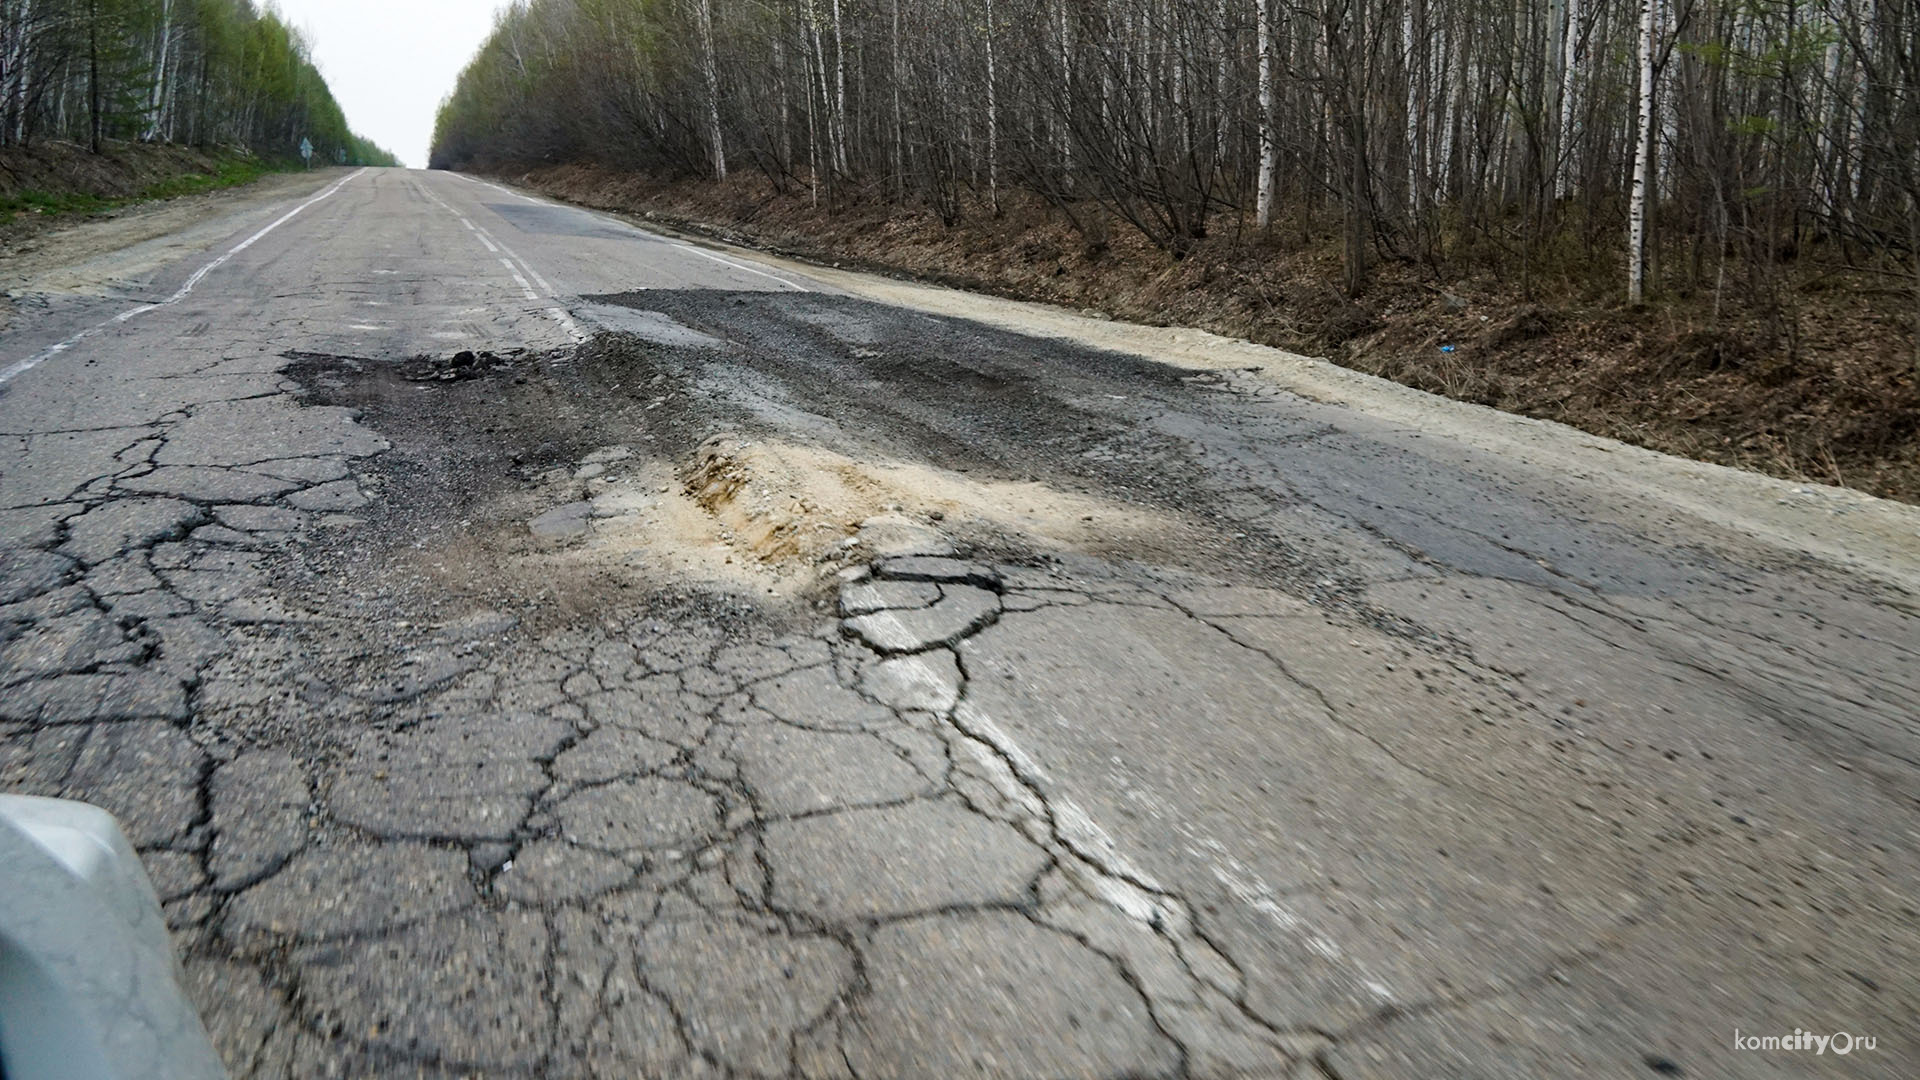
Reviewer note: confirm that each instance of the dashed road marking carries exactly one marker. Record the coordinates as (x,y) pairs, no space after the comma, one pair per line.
(520,268)
(742,266)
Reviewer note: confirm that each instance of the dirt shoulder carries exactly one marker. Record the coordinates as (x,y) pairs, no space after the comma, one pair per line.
(1831,400)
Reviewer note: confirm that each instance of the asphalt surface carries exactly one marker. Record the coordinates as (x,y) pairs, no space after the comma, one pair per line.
(716,672)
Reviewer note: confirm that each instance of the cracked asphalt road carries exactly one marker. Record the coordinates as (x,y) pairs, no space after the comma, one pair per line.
(721,673)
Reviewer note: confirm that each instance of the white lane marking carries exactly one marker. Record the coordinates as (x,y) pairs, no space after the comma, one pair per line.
(514,264)
(1253,891)
(741,266)
(1127,886)
(1122,883)
(498,188)
(513,194)
(524,264)
(519,280)
(566,323)
(254,239)
(180,294)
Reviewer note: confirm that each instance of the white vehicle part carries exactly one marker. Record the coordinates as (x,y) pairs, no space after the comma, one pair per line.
(89,987)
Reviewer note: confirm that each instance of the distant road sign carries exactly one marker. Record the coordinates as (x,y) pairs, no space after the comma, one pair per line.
(306,152)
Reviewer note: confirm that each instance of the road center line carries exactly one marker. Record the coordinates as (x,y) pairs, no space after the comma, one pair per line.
(180,294)
(524,264)
(514,264)
(519,279)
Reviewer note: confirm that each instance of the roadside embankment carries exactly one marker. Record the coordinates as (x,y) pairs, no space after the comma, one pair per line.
(56,179)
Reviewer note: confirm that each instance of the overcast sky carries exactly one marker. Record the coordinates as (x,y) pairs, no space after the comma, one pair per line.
(389,62)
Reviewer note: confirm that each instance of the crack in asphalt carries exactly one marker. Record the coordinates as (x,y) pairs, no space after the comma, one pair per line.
(807,842)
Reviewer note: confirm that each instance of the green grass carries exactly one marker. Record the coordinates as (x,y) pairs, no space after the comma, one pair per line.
(231,172)
(49,202)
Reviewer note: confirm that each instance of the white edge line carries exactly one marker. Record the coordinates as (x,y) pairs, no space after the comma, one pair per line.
(741,266)
(199,275)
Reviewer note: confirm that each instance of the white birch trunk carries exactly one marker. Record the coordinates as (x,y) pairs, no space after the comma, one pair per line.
(716,138)
(993,121)
(1826,140)
(810,44)
(1568,136)
(161,52)
(1413,107)
(786,104)
(1064,136)
(832,157)
(17,81)
(899,114)
(1857,107)
(1462,60)
(1263,208)
(839,93)
(1642,164)
(1218,110)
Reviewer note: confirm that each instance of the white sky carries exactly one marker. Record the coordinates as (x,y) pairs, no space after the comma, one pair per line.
(389,62)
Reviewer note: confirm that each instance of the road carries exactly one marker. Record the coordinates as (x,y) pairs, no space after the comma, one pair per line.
(522,644)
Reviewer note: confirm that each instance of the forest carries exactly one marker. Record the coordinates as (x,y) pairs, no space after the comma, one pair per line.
(211,73)
(1696,145)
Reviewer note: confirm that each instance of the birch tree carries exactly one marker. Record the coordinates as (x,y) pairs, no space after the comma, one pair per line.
(208,72)
(1459,134)
(710,69)
(1263,200)
(1642,161)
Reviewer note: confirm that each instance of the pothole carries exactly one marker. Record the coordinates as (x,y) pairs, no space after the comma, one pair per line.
(523,482)
(780,517)
(462,365)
